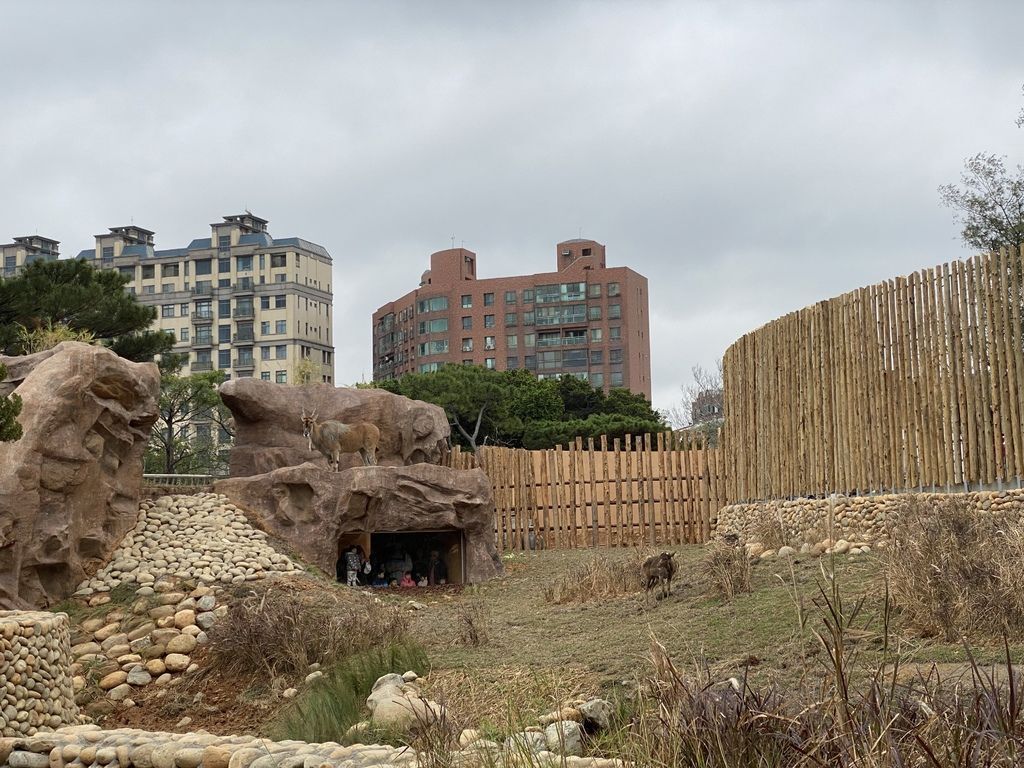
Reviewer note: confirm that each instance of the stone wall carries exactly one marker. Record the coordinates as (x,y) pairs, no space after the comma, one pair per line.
(854,518)
(37,690)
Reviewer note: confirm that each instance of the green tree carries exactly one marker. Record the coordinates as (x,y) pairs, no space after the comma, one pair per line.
(189,408)
(10,407)
(988,203)
(475,399)
(74,294)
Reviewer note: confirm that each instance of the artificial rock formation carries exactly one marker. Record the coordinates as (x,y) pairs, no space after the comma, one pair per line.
(69,488)
(268,424)
(312,508)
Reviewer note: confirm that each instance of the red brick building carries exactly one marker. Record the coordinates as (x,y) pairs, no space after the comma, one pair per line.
(585,319)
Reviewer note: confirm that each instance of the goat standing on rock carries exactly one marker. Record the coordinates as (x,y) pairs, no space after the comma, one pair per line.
(333,438)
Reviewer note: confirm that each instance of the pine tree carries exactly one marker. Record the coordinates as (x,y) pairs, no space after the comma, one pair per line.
(10,407)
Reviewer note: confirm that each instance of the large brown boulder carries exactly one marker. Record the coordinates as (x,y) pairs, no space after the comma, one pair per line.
(268,424)
(316,510)
(69,488)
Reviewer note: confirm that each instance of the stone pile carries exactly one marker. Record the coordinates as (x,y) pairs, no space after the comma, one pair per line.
(202,537)
(855,520)
(34,681)
(149,643)
(87,745)
(396,703)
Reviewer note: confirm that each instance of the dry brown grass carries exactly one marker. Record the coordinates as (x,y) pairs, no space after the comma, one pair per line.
(728,570)
(956,573)
(284,625)
(767,529)
(472,624)
(598,578)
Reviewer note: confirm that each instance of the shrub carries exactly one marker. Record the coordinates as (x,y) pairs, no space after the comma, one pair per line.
(334,703)
(602,576)
(728,570)
(49,336)
(284,625)
(472,621)
(767,530)
(955,571)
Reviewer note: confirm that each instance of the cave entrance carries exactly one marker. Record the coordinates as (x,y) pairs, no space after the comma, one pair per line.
(398,551)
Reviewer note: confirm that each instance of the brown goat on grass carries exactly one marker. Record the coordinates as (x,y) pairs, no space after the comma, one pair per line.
(659,569)
(333,438)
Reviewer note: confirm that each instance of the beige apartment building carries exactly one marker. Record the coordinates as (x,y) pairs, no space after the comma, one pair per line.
(24,250)
(239,300)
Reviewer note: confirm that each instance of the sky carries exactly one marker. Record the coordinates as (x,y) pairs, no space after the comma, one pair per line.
(748,158)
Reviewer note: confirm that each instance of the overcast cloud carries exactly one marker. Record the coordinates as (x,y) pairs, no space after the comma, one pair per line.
(748,158)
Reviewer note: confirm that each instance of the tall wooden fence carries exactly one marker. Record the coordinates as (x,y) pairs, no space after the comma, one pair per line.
(917,382)
(655,489)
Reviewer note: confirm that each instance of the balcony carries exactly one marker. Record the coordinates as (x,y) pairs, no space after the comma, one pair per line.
(244,311)
(202,341)
(202,290)
(244,363)
(242,336)
(201,318)
(243,285)
(202,365)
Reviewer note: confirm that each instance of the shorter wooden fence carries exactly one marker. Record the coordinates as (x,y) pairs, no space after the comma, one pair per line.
(647,489)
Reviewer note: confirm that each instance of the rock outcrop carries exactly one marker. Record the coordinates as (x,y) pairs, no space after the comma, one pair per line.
(69,488)
(312,508)
(268,424)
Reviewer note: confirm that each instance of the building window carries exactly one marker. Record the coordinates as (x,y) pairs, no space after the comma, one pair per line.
(224,282)
(224,359)
(278,260)
(281,301)
(594,313)
(615,378)
(224,241)
(613,289)
(489,342)
(166,310)
(488,299)
(183,335)
(488,321)
(264,375)
(223,265)
(204,266)
(224,307)
(510,297)
(128,273)
(467,345)
(281,351)
(597,357)
(108,252)
(264,353)
(148,271)
(512,341)
(166,287)
(243,263)
(530,362)
(615,333)
(528,317)
(169,270)
(467,302)
(224,334)
(431,367)
(511,363)
(281,326)
(467,323)
(436,304)
(439,325)
(149,289)
(615,356)
(265,328)
(596,334)
(597,378)
(464,362)
(489,363)
(511,319)
(530,339)
(280,277)
(434,348)
(264,302)
(594,290)
(281,377)
(614,311)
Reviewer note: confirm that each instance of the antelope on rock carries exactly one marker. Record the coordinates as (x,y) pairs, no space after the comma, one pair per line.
(333,438)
